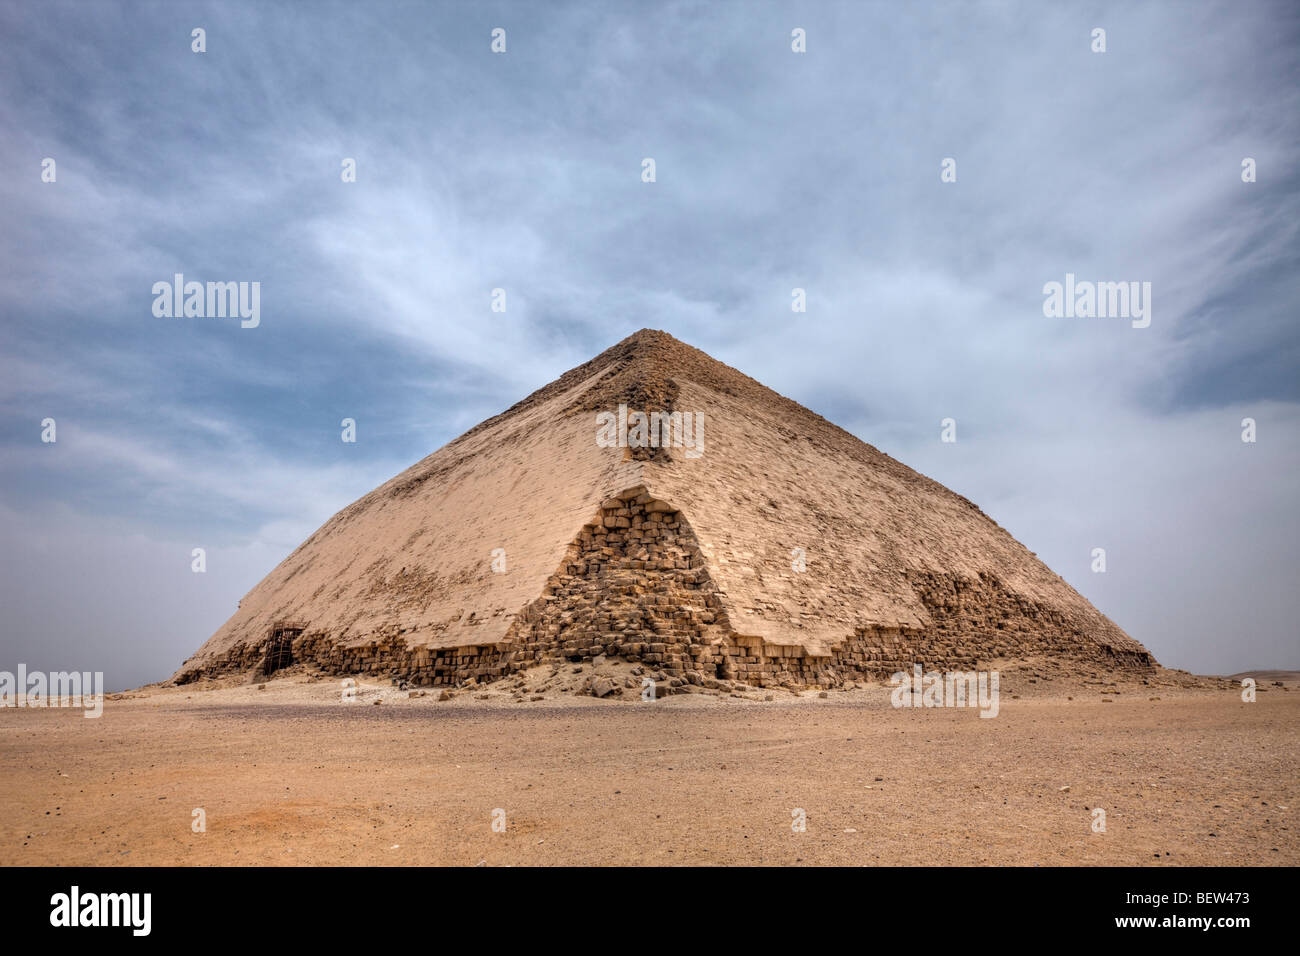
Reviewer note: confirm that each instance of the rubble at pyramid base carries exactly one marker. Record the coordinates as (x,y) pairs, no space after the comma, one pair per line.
(635,585)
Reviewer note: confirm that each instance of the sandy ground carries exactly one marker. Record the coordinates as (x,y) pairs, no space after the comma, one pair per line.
(290,774)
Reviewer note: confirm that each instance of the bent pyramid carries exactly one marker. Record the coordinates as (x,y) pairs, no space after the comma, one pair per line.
(776,549)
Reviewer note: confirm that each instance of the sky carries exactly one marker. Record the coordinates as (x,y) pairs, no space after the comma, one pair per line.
(522,170)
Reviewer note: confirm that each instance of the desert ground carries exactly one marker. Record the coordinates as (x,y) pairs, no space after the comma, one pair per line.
(287,773)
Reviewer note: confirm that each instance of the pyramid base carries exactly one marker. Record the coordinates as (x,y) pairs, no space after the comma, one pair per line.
(634,585)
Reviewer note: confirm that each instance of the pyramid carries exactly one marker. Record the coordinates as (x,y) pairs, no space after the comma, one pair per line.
(748,540)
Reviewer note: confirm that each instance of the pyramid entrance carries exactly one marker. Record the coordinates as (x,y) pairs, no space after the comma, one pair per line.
(279,648)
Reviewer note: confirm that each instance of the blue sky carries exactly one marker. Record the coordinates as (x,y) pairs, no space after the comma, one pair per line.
(522,171)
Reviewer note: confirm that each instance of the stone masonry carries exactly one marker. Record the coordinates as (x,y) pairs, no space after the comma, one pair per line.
(634,584)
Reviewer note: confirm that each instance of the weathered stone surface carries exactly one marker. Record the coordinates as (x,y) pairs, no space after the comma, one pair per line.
(787,554)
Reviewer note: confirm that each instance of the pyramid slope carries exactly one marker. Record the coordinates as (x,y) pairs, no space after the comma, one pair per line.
(408,566)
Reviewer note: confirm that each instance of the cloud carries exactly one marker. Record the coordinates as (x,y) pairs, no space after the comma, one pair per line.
(775,171)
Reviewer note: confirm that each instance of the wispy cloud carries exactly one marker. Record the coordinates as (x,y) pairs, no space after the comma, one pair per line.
(775,170)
